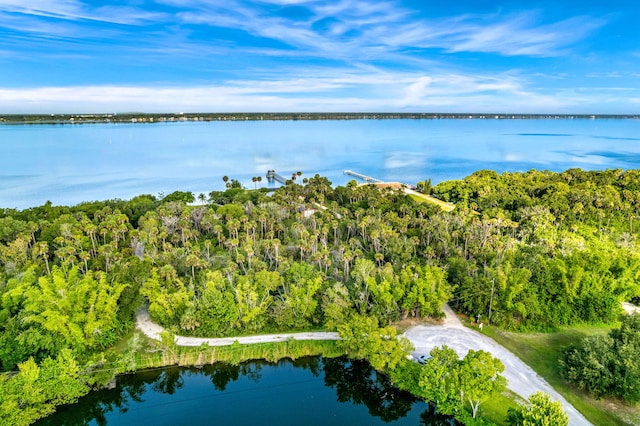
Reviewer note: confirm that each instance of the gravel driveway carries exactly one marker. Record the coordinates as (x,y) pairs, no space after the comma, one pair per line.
(521,379)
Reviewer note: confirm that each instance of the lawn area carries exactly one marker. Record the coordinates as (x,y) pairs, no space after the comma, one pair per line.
(541,352)
(422,198)
(497,407)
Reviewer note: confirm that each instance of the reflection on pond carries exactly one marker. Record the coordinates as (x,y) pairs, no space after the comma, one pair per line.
(308,391)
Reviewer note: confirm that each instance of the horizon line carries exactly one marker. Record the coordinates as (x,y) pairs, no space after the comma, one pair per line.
(105,116)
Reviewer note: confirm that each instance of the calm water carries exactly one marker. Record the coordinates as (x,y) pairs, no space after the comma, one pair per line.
(68,164)
(309,391)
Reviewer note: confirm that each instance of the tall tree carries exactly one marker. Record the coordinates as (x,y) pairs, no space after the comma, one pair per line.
(439,380)
(480,378)
(362,338)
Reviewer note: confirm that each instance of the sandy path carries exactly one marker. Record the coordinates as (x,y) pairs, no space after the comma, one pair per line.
(521,379)
(630,308)
(153,331)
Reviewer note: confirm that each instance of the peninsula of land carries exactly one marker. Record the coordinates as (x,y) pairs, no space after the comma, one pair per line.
(134,117)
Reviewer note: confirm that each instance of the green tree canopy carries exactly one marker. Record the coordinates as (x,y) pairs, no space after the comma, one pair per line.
(607,365)
(540,411)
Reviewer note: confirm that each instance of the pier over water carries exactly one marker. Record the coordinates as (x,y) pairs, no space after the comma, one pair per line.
(407,189)
(365,178)
(273,176)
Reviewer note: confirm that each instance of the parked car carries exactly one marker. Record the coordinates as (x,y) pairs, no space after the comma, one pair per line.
(422,359)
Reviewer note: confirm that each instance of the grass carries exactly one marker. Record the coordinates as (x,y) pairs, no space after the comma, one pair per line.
(422,198)
(497,408)
(122,358)
(541,351)
(156,354)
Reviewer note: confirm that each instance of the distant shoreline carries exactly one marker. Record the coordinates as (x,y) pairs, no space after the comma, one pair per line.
(149,118)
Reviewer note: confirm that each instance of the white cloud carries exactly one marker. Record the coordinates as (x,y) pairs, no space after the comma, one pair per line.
(521,35)
(73,10)
(513,157)
(452,84)
(51,8)
(349,90)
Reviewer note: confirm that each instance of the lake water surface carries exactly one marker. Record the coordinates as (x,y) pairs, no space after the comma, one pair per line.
(308,391)
(68,164)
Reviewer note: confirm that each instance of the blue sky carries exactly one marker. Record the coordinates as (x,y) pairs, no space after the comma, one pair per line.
(74,56)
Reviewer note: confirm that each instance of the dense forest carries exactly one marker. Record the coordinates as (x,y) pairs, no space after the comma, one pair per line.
(534,250)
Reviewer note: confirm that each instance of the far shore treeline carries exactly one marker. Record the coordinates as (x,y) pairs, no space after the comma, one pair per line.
(135,117)
(523,251)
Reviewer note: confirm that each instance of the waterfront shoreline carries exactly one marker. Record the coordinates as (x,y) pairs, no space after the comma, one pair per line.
(152,118)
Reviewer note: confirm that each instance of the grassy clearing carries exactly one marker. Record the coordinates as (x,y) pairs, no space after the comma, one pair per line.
(423,198)
(497,408)
(541,352)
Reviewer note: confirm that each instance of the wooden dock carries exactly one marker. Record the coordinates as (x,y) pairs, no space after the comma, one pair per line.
(365,178)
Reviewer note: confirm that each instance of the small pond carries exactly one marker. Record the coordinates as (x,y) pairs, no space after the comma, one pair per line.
(307,391)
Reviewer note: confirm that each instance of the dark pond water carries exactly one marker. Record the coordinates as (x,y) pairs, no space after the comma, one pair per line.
(308,391)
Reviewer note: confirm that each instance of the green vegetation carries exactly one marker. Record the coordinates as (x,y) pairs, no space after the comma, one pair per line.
(362,338)
(546,249)
(523,251)
(36,390)
(457,387)
(543,351)
(541,411)
(452,383)
(424,198)
(607,365)
(151,354)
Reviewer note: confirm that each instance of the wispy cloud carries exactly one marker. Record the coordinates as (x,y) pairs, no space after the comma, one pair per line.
(347,31)
(74,10)
(348,91)
(70,9)
(362,28)
(452,85)
(520,36)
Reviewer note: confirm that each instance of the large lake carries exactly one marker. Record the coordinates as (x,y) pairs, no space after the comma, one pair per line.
(309,391)
(68,164)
